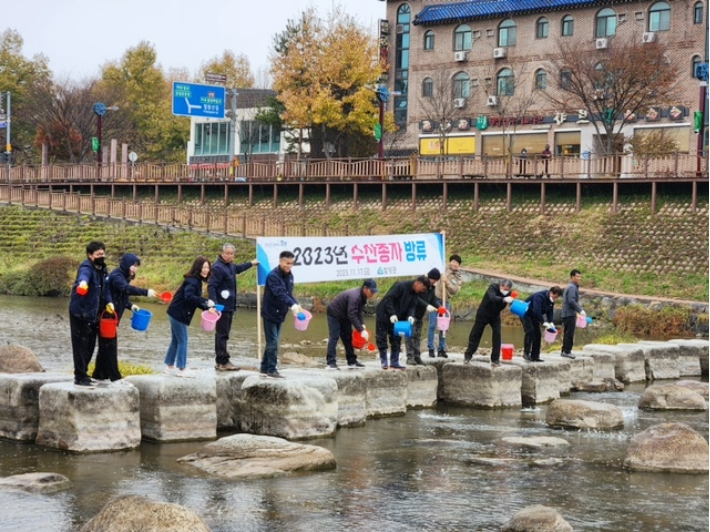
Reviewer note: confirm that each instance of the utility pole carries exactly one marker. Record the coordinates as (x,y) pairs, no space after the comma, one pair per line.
(8,147)
(233,126)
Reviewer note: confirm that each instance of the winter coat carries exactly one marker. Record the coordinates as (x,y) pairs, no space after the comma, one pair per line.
(224,277)
(426,299)
(349,305)
(570,301)
(400,300)
(492,303)
(453,284)
(540,308)
(186,300)
(120,284)
(278,295)
(89,306)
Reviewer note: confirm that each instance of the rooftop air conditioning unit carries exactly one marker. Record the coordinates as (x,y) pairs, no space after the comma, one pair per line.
(498,53)
(492,101)
(649,36)
(460,56)
(601,44)
(459,103)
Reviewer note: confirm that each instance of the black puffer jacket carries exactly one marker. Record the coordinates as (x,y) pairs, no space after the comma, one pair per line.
(120,284)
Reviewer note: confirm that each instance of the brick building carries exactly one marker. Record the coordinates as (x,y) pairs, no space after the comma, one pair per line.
(487,52)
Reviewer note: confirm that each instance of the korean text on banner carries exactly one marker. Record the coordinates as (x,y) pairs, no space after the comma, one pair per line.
(353,257)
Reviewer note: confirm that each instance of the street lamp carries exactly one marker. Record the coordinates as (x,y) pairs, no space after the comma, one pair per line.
(100,110)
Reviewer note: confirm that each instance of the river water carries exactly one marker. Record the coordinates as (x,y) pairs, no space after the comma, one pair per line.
(443,469)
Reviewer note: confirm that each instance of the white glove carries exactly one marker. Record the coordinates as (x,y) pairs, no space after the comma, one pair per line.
(151,293)
(224,294)
(135,308)
(365,335)
(508,299)
(83,285)
(110,309)
(410,319)
(295,309)
(582,313)
(210,303)
(431,308)
(393,319)
(548,325)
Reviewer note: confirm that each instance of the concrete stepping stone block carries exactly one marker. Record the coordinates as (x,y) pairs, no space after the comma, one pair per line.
(604,364)
(229,398)
(540,380)
(478,384)
(629,361)
(661,359)
(19,403)
(692,349)
(422,389)
(88,419)
(386,392)
(177,409)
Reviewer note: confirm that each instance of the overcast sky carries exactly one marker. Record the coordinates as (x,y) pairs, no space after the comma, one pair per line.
(78,36)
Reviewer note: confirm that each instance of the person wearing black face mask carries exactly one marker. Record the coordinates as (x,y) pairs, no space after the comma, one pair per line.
(90,296)
(488,313)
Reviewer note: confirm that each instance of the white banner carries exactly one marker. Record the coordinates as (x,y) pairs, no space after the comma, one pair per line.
(353,257)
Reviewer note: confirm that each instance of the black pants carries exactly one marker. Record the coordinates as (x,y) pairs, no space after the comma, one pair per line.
(339,329)
(414,342)
(474,338)
(224,326)
(533,336)
(570,324)
(107,360)
(385,331)
(83,343)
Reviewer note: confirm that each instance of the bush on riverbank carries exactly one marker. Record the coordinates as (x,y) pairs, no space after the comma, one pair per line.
(51,277)
(664,322)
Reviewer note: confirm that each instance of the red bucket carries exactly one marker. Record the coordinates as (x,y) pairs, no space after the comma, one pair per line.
(108,323)
(358,341)
(506,351)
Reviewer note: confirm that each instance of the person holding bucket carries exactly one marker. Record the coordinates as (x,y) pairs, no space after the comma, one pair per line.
(428,302)
(494,301)
(540,312)
(570,309)
(90,298)
(399,303)
(180,312)
(347,312)
(119,282)
(451,281)
(222,289)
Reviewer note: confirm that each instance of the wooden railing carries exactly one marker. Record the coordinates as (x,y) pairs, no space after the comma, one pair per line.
(673,166)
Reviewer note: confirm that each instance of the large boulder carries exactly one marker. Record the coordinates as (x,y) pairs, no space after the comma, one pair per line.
(669,447)
(18,359)
(249,456)
(130,513)
(577,414)
(703,388)
(537,518)
(671,397)
(45,483)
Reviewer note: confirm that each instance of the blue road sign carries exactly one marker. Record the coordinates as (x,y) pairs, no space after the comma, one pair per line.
(192,99)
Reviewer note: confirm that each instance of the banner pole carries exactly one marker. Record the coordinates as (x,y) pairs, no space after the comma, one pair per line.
(258,320)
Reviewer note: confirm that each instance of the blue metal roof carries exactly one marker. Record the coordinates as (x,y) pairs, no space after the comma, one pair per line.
(482,9)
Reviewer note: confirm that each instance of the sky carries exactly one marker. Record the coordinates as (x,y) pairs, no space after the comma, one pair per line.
(78,36)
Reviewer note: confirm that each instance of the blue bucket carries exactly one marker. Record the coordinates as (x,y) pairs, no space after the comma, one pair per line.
(519,308)
(141,319)
(403,328)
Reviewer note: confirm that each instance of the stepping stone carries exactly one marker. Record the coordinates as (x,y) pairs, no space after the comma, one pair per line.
(478,384)
(629,360)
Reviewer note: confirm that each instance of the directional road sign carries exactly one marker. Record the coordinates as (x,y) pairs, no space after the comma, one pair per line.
(192,99)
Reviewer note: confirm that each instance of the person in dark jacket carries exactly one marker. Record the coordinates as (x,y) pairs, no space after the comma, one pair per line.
(119,282)
(494,301)
(540,312)
(180,313)
(222,289)
(277,301)
(570,309)
(90,296)
(400,303)
(428,302)
(347,312)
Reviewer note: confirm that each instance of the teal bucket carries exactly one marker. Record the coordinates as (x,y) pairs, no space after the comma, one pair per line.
(141,319)
(519,308)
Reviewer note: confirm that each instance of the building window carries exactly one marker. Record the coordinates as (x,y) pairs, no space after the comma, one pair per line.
(605,23)
(567,26)
(401,70)
(506,82)
(565,79)
(427,88)
(259,138)
(543,28)
(696,62)
(540,80)
(659,17)
(461,86)
(507,33)
(463,38)
(429,40)
(698,13)
(212,138)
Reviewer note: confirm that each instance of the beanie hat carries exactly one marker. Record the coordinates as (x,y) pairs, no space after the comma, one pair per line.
(434,273)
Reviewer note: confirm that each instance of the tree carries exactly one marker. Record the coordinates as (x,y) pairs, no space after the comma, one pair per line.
(438,107)
(235,67)
(623,80)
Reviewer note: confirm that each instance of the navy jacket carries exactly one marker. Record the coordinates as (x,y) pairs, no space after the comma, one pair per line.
(426,299)
(400,300)
(278,295)
(224,277)
(492,303)
(89,307)
(186,300)
(120,284)
(540,308)
(349,305)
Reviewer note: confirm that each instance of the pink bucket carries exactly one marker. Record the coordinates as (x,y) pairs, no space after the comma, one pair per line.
(302,325)
(209,320)
(443,322)
(581,321)
(550,336)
